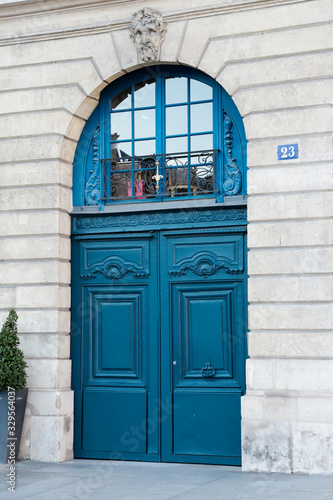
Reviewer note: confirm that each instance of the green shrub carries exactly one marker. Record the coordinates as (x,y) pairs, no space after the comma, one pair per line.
(12,364)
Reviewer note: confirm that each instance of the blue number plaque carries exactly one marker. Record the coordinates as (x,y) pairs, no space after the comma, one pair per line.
(288,152)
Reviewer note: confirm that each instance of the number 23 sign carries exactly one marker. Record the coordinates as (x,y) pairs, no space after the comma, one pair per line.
(288,152)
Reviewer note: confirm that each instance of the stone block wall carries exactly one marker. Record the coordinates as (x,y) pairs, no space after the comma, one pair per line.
(274,57)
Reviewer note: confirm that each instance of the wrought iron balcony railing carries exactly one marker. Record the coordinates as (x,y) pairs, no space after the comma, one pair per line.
(159,176)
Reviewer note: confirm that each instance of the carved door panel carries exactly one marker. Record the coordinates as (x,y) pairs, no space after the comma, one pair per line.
(203,345)
(116,348)
(159,345)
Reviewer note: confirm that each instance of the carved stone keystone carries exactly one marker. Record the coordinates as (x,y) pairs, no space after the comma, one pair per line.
(148,31)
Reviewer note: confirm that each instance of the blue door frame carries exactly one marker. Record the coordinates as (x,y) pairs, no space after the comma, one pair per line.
(159,335)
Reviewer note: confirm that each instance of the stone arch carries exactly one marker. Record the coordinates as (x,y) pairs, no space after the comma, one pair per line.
(88,105)
(222,104)
(84,109)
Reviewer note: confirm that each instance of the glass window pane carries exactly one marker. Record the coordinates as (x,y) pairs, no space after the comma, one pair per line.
(201,117)
(121,150)
(144,94)
(201,142)
(122,100)
(144,148)
(175,90)
(176,120)
(121,125)
(176,145)
(200,91)
(144,123)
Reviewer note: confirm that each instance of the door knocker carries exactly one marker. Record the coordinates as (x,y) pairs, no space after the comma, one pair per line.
(208,370)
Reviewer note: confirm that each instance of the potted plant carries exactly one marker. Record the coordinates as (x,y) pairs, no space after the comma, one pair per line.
(13,391)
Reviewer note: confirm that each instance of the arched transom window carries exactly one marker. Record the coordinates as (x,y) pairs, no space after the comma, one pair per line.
(158,134)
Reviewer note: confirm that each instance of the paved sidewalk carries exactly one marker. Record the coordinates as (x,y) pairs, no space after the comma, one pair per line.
(111,480)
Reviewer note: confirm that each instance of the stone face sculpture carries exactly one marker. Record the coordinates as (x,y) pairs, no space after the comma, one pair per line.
(148,31)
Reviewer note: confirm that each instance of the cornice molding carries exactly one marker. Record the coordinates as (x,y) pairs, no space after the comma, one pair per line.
(67,33)
(36,8)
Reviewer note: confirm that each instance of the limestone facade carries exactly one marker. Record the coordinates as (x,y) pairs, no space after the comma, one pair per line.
(274,57)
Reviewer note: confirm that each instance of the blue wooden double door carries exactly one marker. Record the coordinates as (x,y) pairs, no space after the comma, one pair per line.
(159,344)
